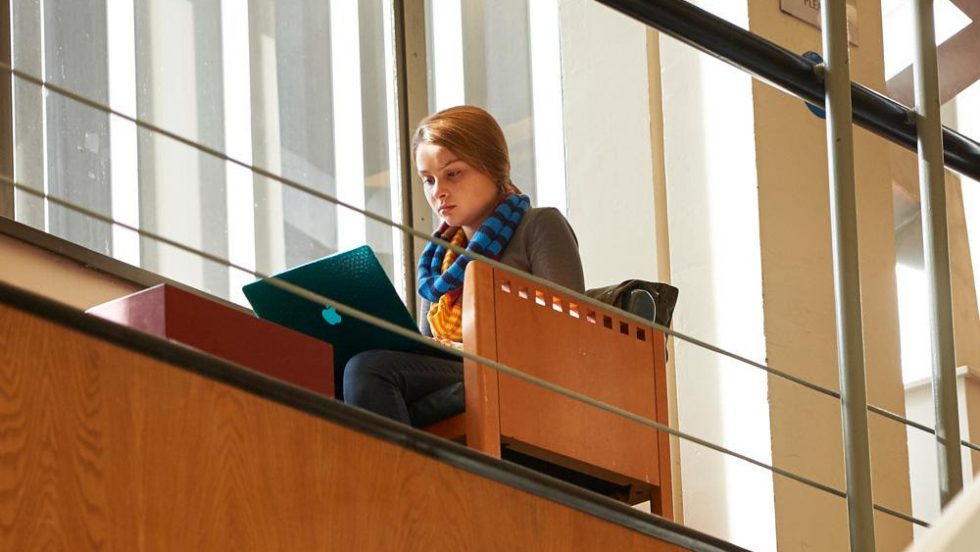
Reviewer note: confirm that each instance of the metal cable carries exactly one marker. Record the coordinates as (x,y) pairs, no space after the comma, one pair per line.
(584,299)
(916,425)
(415,336)
(416,233)
(412,231)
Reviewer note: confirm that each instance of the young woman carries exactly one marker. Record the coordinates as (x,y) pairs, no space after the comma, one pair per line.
(462,159)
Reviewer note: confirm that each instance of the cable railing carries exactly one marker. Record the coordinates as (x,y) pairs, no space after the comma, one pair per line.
(295,185)
(363,316)
(878,113)
(348,310)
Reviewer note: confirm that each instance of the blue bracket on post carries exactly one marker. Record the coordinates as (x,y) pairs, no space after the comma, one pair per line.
(815,58)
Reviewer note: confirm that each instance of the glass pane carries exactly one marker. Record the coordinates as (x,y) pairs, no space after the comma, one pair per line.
(62,147)
(480,53)
(295,87)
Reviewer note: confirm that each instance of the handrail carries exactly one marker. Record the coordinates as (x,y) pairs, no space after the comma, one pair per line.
(792,73)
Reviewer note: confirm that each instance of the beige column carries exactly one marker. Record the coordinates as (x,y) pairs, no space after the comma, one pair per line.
(798,297)
(663,248)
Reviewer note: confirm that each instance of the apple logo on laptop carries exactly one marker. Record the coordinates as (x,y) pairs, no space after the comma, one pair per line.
(331,315)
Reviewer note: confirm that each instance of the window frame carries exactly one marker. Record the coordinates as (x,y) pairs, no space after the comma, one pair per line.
(6,116)
(408,104)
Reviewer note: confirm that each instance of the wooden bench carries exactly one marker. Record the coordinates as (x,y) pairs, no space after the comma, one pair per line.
(589,350)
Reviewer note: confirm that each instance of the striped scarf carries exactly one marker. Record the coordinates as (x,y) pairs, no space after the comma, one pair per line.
(441,272)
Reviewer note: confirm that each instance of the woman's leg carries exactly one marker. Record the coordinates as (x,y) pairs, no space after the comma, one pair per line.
(385,382)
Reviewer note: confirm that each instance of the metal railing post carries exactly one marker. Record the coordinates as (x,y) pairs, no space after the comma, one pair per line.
(847,281)
(935,248)
(411,105)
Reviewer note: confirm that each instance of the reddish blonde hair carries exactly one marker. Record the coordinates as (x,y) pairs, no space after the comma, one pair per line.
(474,136)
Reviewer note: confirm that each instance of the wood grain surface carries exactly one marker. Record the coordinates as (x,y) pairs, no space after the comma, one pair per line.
(588,350)
(604,360)
(102,448)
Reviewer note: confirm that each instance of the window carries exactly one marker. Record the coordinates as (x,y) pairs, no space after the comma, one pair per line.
(302,89)
(504,56)
(296,87)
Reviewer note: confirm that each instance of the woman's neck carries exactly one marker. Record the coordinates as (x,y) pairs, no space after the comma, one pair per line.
(468,231)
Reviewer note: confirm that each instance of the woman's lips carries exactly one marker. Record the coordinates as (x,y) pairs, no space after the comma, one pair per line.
(443,211)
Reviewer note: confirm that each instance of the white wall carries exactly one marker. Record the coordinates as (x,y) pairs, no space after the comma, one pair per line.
(797,272)
(709,149)
(609,164)
(712,208)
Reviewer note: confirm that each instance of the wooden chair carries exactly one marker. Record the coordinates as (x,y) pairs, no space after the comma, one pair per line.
(589,350)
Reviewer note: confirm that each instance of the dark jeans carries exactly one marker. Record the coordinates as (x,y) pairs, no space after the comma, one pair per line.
(386,382)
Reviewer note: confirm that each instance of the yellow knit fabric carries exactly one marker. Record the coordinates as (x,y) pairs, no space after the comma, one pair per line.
(446,315)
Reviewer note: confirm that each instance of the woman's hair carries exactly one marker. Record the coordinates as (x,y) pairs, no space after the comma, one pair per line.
(474,136)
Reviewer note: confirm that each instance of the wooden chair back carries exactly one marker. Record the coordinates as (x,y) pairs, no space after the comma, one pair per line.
(589,350)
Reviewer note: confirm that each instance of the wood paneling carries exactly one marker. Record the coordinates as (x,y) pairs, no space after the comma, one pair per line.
(104,448)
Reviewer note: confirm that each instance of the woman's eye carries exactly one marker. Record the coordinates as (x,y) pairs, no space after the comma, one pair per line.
(427,181)
(453,174)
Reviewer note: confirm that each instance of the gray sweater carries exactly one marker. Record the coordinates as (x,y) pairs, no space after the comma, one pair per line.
(544,245)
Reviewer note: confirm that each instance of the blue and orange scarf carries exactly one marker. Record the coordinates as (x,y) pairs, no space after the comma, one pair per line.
(441,271)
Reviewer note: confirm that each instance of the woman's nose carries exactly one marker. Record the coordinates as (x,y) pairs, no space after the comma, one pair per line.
(438,188)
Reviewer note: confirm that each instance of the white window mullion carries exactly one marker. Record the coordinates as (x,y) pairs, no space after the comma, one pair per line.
(42,6)
(124,170)
(271,237)
(447,38)
(239,191)
(348,126)
(549,132)
(394,164)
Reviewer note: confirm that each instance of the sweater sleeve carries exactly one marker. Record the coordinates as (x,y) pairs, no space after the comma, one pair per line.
(553,250)
(423,319)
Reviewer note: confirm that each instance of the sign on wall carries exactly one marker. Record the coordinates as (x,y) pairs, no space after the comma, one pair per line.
(809,11)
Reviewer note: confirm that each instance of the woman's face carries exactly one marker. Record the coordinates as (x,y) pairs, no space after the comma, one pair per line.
(458,193)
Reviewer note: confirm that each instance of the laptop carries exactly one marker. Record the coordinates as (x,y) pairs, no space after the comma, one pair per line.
(354,278)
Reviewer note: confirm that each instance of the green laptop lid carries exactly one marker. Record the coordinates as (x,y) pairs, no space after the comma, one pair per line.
(353,278)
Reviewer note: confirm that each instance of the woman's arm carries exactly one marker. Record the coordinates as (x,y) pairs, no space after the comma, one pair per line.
(423,319)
